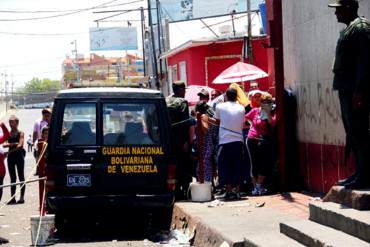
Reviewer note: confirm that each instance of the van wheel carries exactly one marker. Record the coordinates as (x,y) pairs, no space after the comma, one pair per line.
(60,223)
(162,218)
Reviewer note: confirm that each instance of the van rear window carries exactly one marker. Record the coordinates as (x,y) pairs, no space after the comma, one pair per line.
(130,124)
(79,124)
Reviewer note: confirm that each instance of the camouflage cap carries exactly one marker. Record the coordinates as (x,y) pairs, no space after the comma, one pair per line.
(340,3)
(203,92)
(179,84)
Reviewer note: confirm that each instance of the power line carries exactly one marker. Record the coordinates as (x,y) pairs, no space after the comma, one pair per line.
(125,11)
(111,16)
(52,34)
(222,22)
(14,11)
(64,14)
(119,10)
(120,20)
(42,34)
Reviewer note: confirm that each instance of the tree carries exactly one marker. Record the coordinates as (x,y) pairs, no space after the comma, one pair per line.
(37,85)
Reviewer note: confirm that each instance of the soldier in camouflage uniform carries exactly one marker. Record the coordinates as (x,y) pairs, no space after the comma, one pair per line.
(178,109)
(352,80)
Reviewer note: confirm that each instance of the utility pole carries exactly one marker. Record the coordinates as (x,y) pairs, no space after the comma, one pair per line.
(128,68)
(143,37)
(2,88)
(11,99)
(118,71)
(127,60)
(232,22)
(166,48)
(159,36)
(6,91)
(250,52)
(154,59)
(78,74)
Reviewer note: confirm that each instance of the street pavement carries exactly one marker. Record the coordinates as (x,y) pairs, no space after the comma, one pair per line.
(129,230)
(15,219)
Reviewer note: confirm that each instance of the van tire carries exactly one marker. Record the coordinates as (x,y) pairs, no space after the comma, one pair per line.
(60,223)
(162,218)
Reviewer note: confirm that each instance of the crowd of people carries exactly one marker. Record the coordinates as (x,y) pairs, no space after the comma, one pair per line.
(229,137)
(12,150)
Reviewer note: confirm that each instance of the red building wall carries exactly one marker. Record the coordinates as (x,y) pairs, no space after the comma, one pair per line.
(205,63)
(308,58)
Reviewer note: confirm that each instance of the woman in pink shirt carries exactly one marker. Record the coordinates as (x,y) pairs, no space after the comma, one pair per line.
(3,138)
(260,142)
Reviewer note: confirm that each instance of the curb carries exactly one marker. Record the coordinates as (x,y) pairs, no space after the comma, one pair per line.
(200,232)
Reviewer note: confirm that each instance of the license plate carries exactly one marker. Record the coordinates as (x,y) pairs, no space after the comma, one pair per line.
(78,180)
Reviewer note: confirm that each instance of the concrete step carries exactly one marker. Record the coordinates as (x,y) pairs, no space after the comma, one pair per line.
(357,199)
(348,220)
(312,234)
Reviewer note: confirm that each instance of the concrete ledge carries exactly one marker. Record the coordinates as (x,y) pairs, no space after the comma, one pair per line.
(357,199)
(348,220)
(233,224)
(203,235)
(313,234)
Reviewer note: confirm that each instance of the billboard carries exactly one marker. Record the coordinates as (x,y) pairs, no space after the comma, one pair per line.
(113,38)
(183,10)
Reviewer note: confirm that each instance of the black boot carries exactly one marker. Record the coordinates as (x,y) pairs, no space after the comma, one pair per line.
(358,183)
(3,241)
(345,181)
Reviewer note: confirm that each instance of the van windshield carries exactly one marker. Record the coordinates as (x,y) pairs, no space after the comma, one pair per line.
(130,124)
(79,124)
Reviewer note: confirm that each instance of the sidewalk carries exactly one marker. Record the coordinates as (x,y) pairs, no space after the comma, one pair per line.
(253,221)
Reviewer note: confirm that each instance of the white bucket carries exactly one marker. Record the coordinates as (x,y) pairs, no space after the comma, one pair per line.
(46,229)
(201,192)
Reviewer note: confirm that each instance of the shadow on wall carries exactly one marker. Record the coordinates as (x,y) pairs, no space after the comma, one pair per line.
(293,174)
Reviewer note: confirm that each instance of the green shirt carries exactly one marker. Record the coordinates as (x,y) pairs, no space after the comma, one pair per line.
(178,110)
(352,58)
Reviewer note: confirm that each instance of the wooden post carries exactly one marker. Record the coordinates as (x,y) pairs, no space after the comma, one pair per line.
(250,51)
(41,171)
(154,54)
(143,37)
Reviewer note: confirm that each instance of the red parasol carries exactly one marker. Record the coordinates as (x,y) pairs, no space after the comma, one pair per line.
(240,72)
